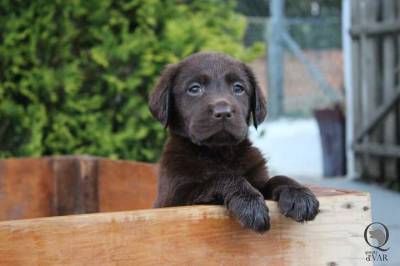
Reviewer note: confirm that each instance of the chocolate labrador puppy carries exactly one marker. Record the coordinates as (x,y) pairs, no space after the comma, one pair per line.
(207,101)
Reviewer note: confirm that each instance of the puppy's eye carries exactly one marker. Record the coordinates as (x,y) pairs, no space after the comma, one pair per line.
(238,88)
(195,89)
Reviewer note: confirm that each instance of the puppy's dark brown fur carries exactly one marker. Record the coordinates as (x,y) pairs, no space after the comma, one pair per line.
(207,101)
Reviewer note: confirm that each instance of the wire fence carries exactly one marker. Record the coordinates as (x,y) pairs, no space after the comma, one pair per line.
(320,40)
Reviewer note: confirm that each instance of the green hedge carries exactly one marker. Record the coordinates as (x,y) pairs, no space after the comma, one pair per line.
(75,74)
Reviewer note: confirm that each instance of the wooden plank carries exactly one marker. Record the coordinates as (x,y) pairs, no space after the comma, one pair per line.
(393,97)
(388,58)
(38,187)
(376,28)
(26,188)
(369,83)
(378,150)
(125,185)
(389,45)
(193,235)
(75,180)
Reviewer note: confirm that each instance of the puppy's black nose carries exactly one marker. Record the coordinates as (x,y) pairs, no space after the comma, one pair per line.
(221,110)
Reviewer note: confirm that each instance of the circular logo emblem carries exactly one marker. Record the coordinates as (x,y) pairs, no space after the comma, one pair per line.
(376,235)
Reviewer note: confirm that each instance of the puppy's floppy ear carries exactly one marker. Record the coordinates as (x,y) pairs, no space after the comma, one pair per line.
(160,100)
(258,106)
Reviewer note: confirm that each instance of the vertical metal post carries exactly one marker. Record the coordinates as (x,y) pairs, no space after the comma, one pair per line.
(275,58)
(348,85)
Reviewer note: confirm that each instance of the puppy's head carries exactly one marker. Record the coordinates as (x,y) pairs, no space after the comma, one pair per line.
(208,98)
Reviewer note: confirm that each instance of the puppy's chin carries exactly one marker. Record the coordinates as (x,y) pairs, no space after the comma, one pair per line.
(220,138)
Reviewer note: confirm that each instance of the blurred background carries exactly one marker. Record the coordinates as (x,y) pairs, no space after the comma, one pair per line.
(75,75)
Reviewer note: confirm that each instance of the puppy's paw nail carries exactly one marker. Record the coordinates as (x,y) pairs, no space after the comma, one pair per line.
(298,203)
(252,213)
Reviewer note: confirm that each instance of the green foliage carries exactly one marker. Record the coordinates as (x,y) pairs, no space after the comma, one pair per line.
(75,75)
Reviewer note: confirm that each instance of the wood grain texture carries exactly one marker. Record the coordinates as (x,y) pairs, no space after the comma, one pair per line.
(75,182)
(193,235)
(61,185)
(125,185)
(389,80)
(26,188)
(31,188)
(375,74)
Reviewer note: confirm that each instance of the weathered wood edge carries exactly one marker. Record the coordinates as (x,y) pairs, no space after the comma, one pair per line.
(191,235)
(170,213)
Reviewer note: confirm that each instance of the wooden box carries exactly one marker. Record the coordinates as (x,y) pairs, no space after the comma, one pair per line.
(129,232)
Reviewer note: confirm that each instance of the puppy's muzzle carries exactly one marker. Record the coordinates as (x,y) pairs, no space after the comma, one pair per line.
(221,110)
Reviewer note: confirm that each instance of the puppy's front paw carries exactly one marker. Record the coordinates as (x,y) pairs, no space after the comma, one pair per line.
(251,211)
(298,203)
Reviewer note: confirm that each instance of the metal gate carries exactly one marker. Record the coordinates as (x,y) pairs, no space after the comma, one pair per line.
(281,39)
